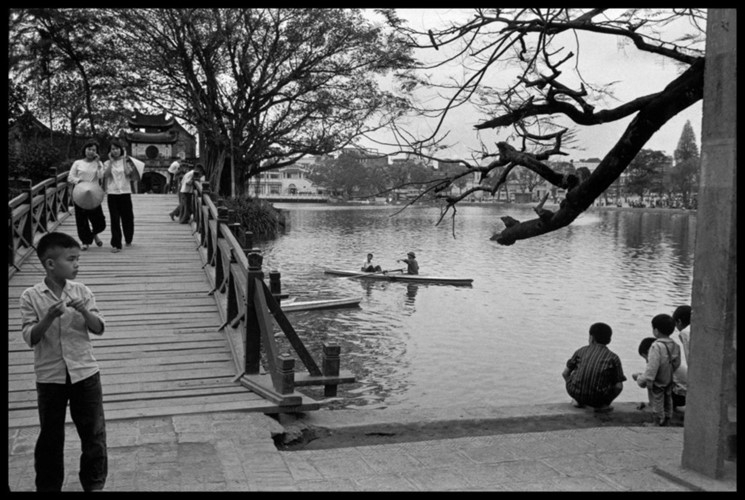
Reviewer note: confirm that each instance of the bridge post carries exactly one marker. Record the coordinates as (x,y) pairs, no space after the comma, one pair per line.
(222,219)
(43,209)
(28,227)
(275,285)
(247,239)
(53,215)
(253,332)
(286,372)
(330,367)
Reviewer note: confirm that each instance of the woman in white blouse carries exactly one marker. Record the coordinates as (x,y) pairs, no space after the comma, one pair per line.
(118,174)
(89,222)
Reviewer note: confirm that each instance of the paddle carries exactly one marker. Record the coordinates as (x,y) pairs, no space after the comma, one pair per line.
(384,271)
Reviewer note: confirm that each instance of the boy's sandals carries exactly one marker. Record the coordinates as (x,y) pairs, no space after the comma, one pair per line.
(84,247)
(116,250)
(98,241)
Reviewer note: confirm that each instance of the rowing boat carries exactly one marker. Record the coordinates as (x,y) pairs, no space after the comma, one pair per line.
(409,278)
(291,306)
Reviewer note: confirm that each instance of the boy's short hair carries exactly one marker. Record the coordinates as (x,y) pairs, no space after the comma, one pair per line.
(682,313)
(601,333)
(52,241)
(664,324)
(645,344)
(199,168)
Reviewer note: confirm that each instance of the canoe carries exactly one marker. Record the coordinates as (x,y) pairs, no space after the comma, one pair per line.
(398,276)
(319,304)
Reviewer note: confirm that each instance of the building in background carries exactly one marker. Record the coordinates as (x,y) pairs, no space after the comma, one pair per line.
(158,141)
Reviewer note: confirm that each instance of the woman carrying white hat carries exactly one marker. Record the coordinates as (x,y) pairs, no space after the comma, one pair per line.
(89,217)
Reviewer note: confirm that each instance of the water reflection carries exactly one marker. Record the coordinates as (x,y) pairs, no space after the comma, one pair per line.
(411,291)
(505,339)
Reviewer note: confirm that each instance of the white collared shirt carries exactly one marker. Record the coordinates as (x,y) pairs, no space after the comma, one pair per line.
(117,182)
(84,171)
(66,345)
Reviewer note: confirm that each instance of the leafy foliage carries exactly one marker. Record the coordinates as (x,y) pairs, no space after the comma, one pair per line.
(266,86)
(645,172)
(34,160)
(685,174)
(355,175)
(256,216)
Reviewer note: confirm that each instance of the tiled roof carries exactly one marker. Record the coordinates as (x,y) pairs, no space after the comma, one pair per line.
(143,120)
(152,137)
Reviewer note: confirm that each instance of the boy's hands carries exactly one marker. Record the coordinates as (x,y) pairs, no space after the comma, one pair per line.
(56,310)
(77,304)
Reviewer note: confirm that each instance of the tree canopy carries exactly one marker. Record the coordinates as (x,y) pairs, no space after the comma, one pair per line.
(685,174)
(549,93)
(262,87)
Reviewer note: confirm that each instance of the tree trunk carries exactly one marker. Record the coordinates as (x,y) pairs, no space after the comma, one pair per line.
(213,160)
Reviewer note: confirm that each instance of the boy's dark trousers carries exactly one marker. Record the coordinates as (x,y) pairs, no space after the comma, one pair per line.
(89,223)
(86,410)
(120,210)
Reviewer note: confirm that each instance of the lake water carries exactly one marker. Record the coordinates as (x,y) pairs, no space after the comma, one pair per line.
(503,341)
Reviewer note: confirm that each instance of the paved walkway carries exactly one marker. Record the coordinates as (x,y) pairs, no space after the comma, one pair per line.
(234,451)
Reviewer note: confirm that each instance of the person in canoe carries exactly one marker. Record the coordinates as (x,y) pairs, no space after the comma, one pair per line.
(413,265)
(368,266)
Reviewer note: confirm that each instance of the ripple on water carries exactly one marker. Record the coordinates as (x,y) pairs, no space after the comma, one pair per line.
(506,339)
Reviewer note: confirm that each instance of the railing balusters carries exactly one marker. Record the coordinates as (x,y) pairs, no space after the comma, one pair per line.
(36,211)
(239,278)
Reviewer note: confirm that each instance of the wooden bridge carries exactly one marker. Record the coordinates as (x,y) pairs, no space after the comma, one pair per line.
(179,305)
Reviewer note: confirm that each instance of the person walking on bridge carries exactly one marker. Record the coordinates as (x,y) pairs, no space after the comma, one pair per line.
(118,175)
(89,219)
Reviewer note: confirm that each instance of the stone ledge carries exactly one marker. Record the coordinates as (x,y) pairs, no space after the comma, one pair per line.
(340,428)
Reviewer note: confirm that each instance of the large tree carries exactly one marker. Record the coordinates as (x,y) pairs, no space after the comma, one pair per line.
(645,172)
(68,59)
(552,93)
(685,174)
(266,87)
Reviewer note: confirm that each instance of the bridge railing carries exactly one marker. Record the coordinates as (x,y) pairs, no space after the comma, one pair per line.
(39,209)
(251,308)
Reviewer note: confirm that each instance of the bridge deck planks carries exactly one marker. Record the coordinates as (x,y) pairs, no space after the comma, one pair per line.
(161,353)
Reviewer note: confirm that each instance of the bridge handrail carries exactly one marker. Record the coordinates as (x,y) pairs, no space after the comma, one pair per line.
(249,302)
(39,209)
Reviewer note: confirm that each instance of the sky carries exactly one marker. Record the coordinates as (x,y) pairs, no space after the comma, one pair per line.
(604,60)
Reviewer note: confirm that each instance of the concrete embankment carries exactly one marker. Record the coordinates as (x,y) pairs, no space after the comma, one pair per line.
(350,427)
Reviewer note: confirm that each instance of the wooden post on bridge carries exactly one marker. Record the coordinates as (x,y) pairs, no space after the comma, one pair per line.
(28,227)
(286,368)
(253,333)
(330,367)
(51,212)
(275,285)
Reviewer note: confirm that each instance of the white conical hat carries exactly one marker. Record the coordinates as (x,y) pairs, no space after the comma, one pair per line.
(87,195)
(140,166)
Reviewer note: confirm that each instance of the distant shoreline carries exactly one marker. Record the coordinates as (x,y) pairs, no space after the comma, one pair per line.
(554,207)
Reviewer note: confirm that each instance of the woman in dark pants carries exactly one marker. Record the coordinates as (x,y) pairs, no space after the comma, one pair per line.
(89,221)
(119,173)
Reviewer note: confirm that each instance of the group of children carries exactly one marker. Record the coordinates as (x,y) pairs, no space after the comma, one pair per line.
(594,376)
